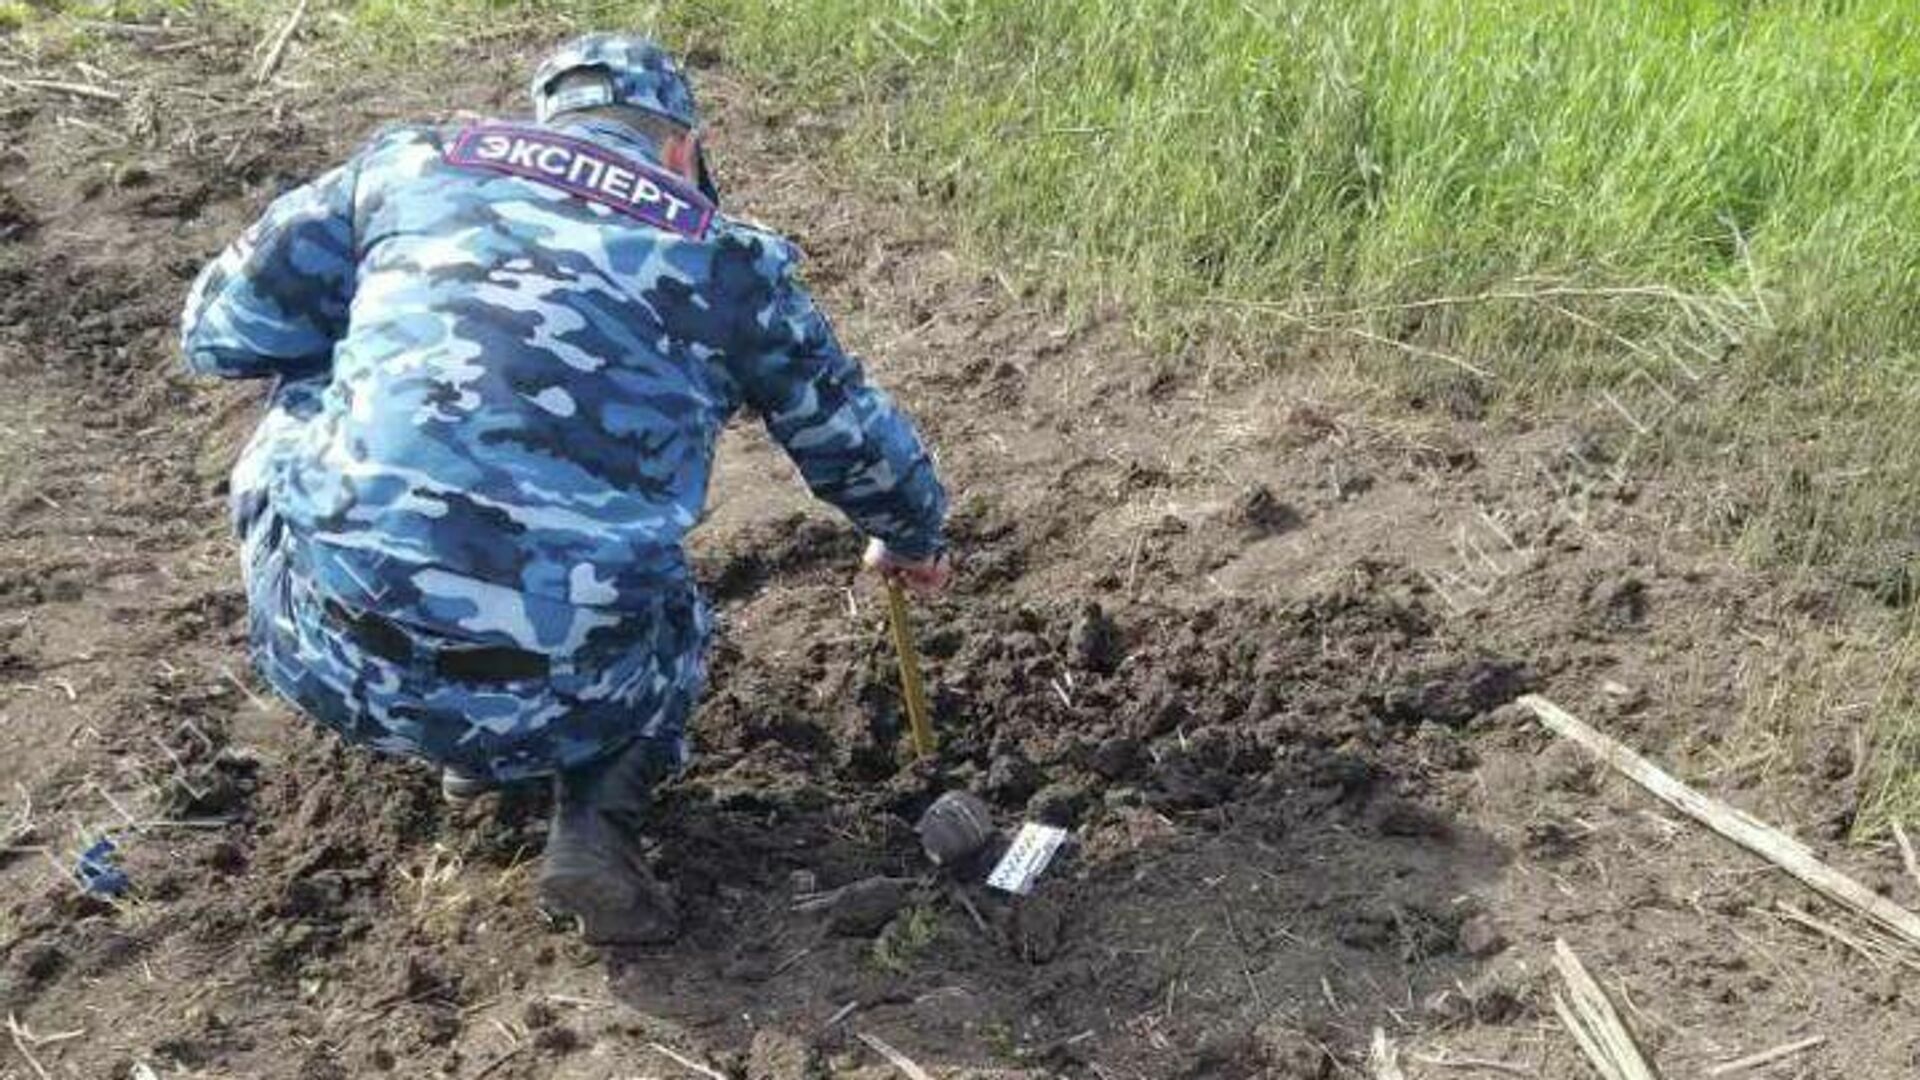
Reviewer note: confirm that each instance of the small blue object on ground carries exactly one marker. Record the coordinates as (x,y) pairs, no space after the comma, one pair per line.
(96,870)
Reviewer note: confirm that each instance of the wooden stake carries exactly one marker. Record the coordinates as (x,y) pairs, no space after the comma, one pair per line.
(911,686)
(1736,825)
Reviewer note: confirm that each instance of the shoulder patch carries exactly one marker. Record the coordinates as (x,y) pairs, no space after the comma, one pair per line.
(640,190)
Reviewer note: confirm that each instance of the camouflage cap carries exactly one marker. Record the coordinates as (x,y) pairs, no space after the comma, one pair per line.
(640,74)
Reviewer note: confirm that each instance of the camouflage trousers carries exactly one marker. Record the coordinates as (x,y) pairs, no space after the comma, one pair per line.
(641,683)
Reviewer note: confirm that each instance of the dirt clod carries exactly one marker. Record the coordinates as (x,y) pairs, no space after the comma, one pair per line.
(1552,838)
(1500,994)
(1497,996)
(225,857)
(1481,937)
(1184,783)
(1160,712)
(538,1014)
(1094,641)
(28,969)
(1012,779)
(1260,513)
(1456,695)
(1039,923)
(1619,603)
(416,976)
(432,1026)
(1403,817)
(1119,758)
(1232,1051)
(1290,1054)
(1059,804)
(863,908)
(1565,767)
(556,1039)
(1366,929)
(15,221)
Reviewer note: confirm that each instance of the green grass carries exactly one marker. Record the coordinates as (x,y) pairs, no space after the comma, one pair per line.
(1400,149)
(1372,151)
(904,939)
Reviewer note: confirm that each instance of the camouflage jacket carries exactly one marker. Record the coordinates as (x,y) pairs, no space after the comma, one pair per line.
(530,337)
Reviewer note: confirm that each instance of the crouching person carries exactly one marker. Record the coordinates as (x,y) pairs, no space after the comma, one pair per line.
(502,355)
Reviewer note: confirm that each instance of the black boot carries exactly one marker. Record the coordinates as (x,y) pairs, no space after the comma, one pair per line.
(593,869)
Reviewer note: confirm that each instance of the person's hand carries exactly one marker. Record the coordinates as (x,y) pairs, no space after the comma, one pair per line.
(924,576)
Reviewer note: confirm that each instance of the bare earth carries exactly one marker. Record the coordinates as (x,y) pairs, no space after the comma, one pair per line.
(1305,809)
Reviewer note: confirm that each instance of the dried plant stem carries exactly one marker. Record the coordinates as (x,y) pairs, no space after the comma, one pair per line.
(1590,1016)
(278,50)
(1736,825)
(908,1067)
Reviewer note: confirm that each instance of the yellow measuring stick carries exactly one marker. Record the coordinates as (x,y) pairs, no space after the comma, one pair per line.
(910,685)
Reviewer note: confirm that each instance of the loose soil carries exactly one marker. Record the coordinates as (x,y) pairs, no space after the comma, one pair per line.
(1252,635)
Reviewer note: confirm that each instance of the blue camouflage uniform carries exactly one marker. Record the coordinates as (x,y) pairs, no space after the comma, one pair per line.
(504,353)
